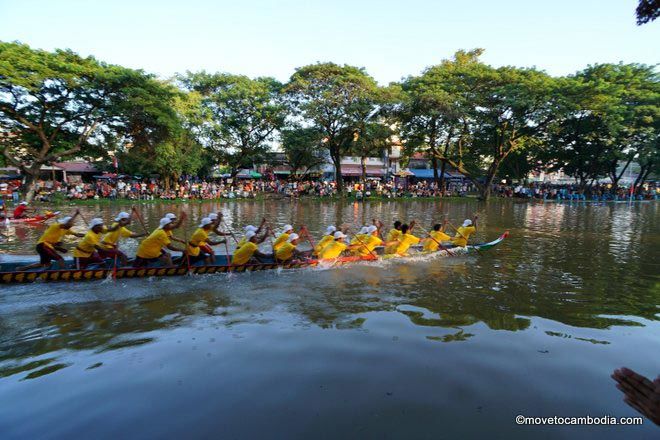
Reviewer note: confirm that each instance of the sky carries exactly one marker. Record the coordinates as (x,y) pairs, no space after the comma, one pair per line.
(390,39)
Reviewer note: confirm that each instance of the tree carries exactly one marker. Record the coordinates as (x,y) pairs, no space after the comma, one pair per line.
(473,116)
(647,11)
(241,115)
(372,140)
(336,101)
(57,105)
(303,149)
(434,112)
(606,116)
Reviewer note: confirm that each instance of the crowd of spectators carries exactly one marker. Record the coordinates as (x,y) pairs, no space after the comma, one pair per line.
(195,188)
(183,189)
(553,191)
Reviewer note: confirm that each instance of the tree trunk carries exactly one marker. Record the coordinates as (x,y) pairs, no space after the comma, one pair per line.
(443,184)
(490,175)
(336,160)
(434,163)
(167,183)
(30,186)
(363,163)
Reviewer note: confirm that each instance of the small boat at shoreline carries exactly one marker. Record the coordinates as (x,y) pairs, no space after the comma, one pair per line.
(33,219)
(9,274)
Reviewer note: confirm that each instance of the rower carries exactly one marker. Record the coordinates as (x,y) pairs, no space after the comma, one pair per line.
(326,239)
(284,236)
(436,236)
(175,224)
(199,241)
(393,235)
(250,249)
(247,229)
(288,250)
(405,240)
(50,243)
(463,233)
(21,210)
(85,252)
(152,248)
(360,236)
(371,241)
(335,248)
(110,241)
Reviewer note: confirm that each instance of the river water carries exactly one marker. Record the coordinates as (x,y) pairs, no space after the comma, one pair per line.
(432,348)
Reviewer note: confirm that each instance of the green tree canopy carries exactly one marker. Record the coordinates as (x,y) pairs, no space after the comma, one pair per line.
(337,101)
(56,105)
(241,115)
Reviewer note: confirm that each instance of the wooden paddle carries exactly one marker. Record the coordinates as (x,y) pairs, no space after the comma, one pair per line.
(139,217)
(365,246)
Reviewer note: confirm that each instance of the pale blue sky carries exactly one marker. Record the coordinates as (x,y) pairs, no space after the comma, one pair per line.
(391,39)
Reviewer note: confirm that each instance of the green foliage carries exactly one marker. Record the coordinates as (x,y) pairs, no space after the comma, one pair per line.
(240,115)
(608,115)
(56,105)
(473,116)
(337,101)
(303,148)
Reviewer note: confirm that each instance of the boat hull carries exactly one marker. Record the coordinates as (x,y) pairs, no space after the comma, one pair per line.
(8,274)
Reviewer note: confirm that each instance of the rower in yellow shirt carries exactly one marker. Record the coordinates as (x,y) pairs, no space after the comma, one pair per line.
(152,248)
(393,236)
(288,250)
(50,243)
(463,233)
(335,248)
(370,242)
(199,242)
(117,231)
(325,240)
(406,240)
(284,236)
(86,251)
(250,250)
(176,223)
(436,237)
(250,228)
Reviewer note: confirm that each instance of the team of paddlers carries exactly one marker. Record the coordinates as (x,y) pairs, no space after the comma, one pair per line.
(101,241)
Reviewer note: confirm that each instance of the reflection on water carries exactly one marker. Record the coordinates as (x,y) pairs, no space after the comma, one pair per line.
(395,349)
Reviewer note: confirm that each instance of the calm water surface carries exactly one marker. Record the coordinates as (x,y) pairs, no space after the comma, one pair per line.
(433,348)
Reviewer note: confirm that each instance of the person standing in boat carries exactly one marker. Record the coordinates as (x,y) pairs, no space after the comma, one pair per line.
(197,249)
(50,243)
(250,250)
(463,233)
(110,241)
(152,248)
(86,251)
(436,237)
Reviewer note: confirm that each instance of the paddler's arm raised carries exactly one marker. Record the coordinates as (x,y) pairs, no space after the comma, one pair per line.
(261,225)
(179,221)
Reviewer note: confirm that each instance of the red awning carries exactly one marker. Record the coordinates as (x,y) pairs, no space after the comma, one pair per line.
(356,170)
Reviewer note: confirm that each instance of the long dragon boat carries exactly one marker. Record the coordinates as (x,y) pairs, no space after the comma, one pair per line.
(10,275)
